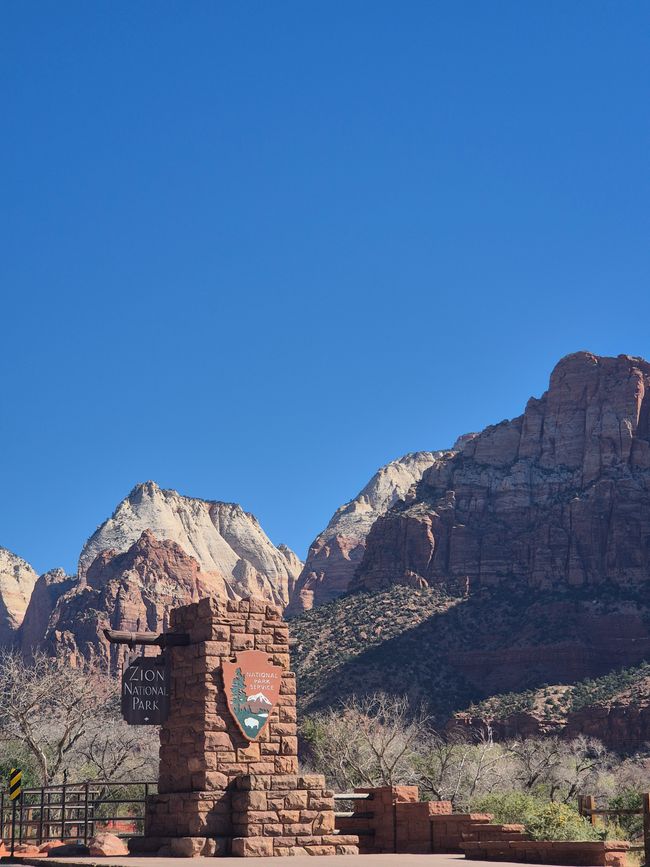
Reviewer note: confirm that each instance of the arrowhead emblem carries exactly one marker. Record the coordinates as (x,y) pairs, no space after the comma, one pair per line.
(252,686)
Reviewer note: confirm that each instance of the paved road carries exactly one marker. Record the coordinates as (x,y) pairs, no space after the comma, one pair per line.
(297,861)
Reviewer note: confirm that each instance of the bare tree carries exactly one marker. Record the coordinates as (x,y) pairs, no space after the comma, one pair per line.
(47,706)
(457,768)
(583,762)
(560,768)
(535,761)
(117,752)
(371,742)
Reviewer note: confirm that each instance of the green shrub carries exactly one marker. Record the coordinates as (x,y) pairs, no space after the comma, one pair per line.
(508,807)
(542,819)
(560,822)
(630,826)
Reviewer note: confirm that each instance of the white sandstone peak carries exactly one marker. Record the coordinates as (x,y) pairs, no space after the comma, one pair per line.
(336,552)
(389,484)
(17,579)
(228,542)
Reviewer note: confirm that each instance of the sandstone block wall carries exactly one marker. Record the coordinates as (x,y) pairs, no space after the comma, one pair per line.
(395,820)
(286,815)
(376,819)
(416,824)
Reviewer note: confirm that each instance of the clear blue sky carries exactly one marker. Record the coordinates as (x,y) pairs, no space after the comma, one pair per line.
(254,250)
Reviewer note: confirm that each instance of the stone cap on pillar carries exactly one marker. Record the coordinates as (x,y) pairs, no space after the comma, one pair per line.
(213,610)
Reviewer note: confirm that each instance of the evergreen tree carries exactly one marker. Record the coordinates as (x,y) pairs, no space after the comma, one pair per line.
(238,691)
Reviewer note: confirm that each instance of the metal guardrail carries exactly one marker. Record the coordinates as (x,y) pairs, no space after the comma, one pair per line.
(354,814)
(73,811)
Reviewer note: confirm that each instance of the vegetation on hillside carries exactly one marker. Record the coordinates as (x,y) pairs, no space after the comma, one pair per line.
(355,640)
(431,644)
(553,704)
(586,692)
(379,740)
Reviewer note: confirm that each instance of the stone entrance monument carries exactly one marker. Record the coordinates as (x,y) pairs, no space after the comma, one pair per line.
(229,781)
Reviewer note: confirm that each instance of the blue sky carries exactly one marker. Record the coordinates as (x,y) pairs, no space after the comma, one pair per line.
(255,250)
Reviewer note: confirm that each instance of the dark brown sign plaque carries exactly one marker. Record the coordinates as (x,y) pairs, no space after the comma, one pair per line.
(252,686)
(145,691)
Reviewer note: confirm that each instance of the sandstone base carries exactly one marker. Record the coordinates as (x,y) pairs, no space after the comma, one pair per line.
(328,844)
(258,815)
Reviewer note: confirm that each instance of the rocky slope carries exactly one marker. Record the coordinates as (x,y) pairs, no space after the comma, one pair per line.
(17,579)
(228,544)
(132,590)
(337,551)
(614,708)
(557,497)
(351,646)
(448,651)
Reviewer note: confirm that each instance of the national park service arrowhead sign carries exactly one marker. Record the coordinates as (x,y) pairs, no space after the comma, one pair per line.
(252,686)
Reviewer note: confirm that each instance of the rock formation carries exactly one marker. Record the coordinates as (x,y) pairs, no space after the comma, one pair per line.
(538,531)
(132,590)
(450,651)
(558,496)
(337,551)
(622,724)
(46,593)
(17,579)
(614,709)
(227,543)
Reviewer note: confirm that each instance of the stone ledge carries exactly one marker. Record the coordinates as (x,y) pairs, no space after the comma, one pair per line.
(328,844)
(608,853)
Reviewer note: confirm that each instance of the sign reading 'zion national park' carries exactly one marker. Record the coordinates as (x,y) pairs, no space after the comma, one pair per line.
(252,686)
(145,691)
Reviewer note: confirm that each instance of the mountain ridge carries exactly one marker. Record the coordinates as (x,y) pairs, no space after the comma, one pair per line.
(519,557)
(558,495)
(227,542)
(337,550)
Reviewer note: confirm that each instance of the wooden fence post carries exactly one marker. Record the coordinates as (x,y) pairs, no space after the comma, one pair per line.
(589,807)
(646,826)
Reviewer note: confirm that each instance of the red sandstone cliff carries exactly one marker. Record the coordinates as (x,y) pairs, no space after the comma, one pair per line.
(47,591)
(558,496)
(337,551)
(133,591)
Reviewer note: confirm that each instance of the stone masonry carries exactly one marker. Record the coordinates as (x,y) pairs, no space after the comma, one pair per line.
(219,793)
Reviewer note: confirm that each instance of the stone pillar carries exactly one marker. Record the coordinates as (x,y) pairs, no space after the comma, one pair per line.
(218,792)
(376,819)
